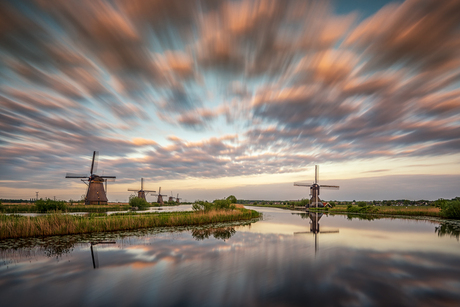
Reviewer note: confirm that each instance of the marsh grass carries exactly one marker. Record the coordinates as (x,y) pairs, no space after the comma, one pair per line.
(14,226)
(31,208)
(387,210)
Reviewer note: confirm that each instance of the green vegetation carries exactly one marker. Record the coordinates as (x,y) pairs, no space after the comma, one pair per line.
(32,208)
(50,205)
(449,208)
(140,203)
(15,226)
(232,199)
(218,204)
(385,210)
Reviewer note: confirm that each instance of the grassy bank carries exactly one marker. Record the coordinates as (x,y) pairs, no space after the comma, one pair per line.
(31,208)
(387,210)
(60,224)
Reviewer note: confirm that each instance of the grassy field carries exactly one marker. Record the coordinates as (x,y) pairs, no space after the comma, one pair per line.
(12,226)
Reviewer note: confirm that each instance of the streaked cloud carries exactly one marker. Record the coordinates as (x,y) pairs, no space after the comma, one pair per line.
(247,87)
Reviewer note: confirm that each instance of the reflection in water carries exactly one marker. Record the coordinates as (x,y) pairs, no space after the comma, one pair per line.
(314,226)
(448,228)
(386,262)
(223,233)
(94,252)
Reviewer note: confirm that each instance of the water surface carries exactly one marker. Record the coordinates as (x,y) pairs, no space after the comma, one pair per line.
(279,261)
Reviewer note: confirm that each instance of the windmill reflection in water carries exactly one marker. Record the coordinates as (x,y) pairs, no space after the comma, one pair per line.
(314,227)
(94,252)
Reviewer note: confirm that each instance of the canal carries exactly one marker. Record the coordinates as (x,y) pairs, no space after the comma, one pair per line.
(282,260)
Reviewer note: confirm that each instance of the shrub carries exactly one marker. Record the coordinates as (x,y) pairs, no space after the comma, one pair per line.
(140,203)
(361,204)
(50,205)
(232,199)
(449,208)
(349,206)
(218,204)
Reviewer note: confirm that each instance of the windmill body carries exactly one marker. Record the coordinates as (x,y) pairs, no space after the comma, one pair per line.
(315,201)
(141,192)
(171,198)
(159,197)
(178,199)
(95,194)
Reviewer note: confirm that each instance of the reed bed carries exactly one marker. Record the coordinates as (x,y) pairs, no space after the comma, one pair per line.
(388,210)
(61,224)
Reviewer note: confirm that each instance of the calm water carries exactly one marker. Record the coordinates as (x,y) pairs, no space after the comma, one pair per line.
(273,262)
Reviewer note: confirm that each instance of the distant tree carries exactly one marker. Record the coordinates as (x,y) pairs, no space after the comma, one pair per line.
(232,199)
(361,204)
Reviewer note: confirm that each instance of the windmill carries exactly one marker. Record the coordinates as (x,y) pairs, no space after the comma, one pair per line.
(314,228)
(314,189)
(178,199)
(141,192)
(95,193)
(171,198)
(160,197)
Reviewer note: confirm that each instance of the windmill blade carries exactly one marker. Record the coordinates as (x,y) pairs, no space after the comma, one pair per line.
(316,173)
(328,231)
(110,177)
(71,175)
(105,186)
(330,187)
(142,184)
(302,232)
(133,190)
(93,162)
(148,191)
(301,184)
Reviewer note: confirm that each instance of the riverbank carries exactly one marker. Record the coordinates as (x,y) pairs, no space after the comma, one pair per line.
(384,210)
(13,226)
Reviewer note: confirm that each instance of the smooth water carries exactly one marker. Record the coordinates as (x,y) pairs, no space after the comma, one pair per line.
(277,261)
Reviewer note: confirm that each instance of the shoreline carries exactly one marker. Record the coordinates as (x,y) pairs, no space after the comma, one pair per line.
(61,224)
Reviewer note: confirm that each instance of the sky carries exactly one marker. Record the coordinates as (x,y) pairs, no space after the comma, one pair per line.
(211,98)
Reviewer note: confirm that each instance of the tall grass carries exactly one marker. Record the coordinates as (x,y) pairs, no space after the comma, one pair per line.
(60,224)
(387,210)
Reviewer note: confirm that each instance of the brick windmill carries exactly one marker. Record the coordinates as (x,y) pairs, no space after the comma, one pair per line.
(141,192)
(315,201)
(178,199)
(95,193)
(160,197)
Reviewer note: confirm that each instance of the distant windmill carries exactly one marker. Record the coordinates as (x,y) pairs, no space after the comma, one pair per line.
(95,193)
(141,192)
(314,189)
(160,197)
(178,199)
(171,198)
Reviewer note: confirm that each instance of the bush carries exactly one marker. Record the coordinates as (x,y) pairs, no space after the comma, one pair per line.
(218,204)
(232,199)
(349,206)
(50,205)
(449,208)
(140,203)
(361,204)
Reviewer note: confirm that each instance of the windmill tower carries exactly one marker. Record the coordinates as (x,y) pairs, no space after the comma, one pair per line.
(171,198)
(315,201)
(160,197)
(178,199)
(95,193)
(141,192)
